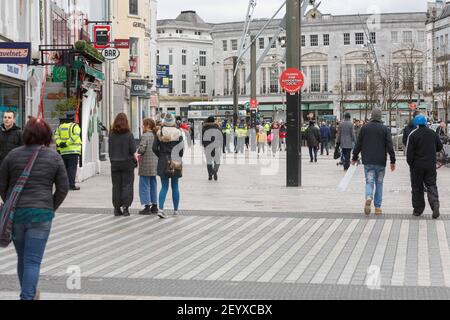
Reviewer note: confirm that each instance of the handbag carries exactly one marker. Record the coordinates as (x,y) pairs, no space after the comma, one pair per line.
(7,209)
(174,169)
(337,152)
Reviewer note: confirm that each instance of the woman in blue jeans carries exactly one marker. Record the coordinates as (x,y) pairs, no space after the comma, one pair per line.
(37,204)
(168,146)
(148,187)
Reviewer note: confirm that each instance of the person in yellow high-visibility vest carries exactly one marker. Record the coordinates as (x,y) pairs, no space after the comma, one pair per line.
(241,133)
(68,144)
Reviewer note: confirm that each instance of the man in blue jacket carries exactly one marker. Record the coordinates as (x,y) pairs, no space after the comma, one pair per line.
(325,134)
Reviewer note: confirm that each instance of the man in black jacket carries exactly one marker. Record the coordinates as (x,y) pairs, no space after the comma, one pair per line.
(10,135)
(422,146)
(313,139)
(374,141)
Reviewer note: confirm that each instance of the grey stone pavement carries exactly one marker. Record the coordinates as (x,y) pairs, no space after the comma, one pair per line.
(247,237)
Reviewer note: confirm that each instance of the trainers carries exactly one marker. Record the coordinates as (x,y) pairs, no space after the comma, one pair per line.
(436,212)
(176,213)
(378,211)
(162,215)
(368,207)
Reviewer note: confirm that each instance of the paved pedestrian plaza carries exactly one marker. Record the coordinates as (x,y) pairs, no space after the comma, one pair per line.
(248,237)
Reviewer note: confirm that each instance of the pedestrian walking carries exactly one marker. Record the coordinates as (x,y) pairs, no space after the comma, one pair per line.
(346,139)
(122,149)
(275,138)
(168,147)
(325,137)
(68,144)
(261,138)
(374,142)
(313,140)
(212,142)
(37,203)
(148,186)
(283,136)
(10,135)
(441,132)
(422,146)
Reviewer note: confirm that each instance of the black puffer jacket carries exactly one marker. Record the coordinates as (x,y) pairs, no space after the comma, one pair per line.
(9,140)
(48,171)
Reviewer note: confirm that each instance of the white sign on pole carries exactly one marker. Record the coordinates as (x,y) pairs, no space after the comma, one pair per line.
(111,53)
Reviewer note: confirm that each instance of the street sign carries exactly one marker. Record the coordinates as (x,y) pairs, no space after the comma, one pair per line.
(253,104)
(122,43)
(413,106)
(111,53)
(102,36)
(292,80)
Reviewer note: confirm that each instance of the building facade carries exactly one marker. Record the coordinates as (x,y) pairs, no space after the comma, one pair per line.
(438,58)
(132,71)
(342,74)
(338,66)
(185,49)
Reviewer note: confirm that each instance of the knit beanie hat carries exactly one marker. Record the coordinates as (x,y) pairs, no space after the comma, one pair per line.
(376,114)
(169,120)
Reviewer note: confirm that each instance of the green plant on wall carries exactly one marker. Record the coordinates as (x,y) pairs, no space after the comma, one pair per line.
(63,107)
(89,49)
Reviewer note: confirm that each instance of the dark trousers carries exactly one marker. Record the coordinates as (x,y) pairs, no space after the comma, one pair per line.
(346,153)
(324,145)
(122,175)
(419,178)
(71,163)
(213,161)
(313,153)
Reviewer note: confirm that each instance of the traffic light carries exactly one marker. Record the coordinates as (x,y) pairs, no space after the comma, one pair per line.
(102,36)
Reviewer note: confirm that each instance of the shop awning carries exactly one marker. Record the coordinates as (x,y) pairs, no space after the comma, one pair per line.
(97,74)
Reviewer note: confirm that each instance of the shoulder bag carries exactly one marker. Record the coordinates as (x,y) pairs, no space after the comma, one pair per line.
(7,209)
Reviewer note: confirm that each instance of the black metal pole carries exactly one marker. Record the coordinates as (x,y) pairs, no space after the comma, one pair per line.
(293,172)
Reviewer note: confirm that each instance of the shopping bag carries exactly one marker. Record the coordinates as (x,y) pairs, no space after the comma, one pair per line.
(345,182)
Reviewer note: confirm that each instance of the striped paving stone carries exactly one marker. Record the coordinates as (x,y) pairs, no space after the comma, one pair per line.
(337,251)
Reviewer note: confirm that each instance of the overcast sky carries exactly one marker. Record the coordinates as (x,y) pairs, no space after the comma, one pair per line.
(214,11)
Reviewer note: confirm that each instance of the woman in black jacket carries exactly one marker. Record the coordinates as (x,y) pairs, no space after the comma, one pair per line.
(122,149)
(37,204)
(168,147)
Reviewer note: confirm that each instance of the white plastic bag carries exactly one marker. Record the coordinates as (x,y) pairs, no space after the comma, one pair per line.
(345,182)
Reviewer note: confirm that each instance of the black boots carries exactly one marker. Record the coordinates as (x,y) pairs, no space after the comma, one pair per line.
(436,212)
(126,212)
(118,212)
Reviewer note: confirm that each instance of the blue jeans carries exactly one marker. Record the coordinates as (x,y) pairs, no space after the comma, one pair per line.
(374,179)
(148,189)
(165,189)
(30,241)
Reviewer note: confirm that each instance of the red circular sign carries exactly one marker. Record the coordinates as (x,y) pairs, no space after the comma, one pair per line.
(292,80)
(413,106)
(253,104)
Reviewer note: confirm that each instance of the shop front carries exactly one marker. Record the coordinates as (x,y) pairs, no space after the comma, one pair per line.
(12,90)
(139,105)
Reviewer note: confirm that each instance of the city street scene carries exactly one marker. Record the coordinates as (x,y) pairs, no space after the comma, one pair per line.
(245,150)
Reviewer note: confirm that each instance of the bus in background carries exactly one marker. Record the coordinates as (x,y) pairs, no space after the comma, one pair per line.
(200,111)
